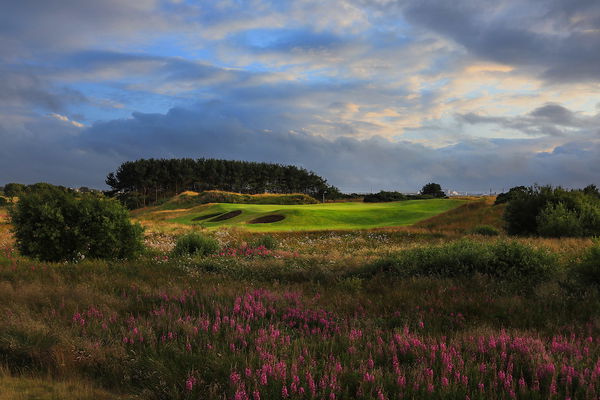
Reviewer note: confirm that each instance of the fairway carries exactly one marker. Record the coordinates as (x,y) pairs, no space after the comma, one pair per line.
(352,215)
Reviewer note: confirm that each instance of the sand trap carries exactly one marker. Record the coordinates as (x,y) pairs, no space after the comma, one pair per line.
(226,216)
(268,219)
(203,217)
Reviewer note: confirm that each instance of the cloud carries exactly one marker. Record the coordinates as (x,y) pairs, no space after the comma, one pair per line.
(66,119)
(549,119)
(558,40)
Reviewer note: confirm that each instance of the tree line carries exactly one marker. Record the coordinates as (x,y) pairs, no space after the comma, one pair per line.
(146,181)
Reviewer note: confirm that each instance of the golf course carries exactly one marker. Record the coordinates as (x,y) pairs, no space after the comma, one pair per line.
(303,217)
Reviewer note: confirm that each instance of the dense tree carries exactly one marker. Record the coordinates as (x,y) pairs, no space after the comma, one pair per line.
(14,189)
(140,182)
(433,189)
(555,212)
(512,192)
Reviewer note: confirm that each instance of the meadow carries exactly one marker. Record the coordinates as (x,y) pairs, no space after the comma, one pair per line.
(322,314)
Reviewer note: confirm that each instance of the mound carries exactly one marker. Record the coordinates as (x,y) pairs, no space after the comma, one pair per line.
(226,216)
(203,217)
(267,219)
(192,199)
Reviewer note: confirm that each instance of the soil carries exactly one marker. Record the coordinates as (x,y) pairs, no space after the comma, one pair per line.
(267,219)
(226,216)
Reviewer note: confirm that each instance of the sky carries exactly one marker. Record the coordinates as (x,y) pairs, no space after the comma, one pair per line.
(371,95)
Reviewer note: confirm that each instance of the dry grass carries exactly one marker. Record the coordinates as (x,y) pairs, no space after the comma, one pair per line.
(39,388)
(481,211)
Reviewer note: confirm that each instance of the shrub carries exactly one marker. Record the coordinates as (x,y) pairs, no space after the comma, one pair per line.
(195,244)
(3,201)
(485,230)
(555,220)
(506,197)
(54,224)
(433,189)
(549,211)
(267,241)
(384,196)
(587,271)
(504,260)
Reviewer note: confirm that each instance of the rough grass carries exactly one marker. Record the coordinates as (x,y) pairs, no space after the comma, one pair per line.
(46,388)
(480,211)
(212,326)
(313,217)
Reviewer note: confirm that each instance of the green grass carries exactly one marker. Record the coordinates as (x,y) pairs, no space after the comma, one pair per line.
(329,216)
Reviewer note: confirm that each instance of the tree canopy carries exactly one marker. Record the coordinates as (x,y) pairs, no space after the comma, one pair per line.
(433,189)
(144,181)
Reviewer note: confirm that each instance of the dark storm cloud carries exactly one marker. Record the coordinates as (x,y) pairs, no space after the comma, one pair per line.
(560,39)
(354,165)
(550,119)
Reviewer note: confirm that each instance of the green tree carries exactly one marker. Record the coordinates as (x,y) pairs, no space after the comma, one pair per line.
(54,224)
(433,189)
(14,189)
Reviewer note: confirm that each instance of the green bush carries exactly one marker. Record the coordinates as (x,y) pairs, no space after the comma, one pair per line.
(3,201)
(485,230)
(267,241)
(555,212)
(504,260)
(587,271)
(55,224)
(195,244)
(555,220)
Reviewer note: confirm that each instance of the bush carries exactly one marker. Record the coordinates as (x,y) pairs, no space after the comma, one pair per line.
(556,212)
(555,220)
(512,192)
(504,260)
(433,189)
(587,271)
(485,230)
(3,201)
(54,224)
(267,241)
(195,244)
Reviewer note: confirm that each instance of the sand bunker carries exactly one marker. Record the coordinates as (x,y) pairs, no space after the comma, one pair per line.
(203,217)
(226,216)
(268,219)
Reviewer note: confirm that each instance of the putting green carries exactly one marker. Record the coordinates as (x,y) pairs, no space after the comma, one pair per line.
(309,217)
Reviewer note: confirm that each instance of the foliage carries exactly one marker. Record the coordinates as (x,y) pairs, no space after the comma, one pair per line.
(384,196)
(154,330)
(3,201)
(554,212)
(485,230)
(14,189)
(505,260)
(267,241)
(195,244)
(587,271)
(54,224)
(433,189)
(148,180)
(512,192)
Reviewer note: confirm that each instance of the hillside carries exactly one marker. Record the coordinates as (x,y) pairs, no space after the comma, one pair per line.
(191,199)
(307,217)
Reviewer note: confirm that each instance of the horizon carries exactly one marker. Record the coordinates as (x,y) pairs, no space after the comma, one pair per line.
(385,95)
